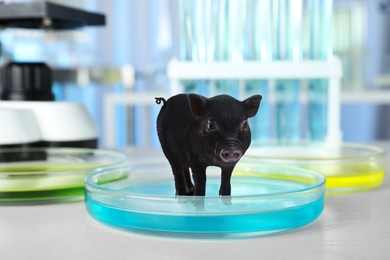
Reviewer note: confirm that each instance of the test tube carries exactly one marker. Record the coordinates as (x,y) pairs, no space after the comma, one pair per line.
(229,40)
(320,48)
(186,38)
(193,40)
(257,46)
(287,25)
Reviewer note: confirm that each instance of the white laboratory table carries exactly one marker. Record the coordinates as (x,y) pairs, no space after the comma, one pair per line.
(353,226)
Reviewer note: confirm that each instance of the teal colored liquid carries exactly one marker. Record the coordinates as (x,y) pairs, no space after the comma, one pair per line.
(217,224)
(239,216)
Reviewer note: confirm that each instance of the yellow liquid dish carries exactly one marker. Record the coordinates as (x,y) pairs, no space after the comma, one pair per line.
(360,177)
(349,177)
(347,168)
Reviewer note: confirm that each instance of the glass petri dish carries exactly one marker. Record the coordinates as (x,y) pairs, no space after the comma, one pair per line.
(35,174)
(266,198)
(348,167)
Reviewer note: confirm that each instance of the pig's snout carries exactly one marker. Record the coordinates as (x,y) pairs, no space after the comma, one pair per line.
(230,153)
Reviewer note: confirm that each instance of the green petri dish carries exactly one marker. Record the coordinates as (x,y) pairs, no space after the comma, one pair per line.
(36,174)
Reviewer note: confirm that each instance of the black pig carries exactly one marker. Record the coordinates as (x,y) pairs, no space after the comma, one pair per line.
(196,132)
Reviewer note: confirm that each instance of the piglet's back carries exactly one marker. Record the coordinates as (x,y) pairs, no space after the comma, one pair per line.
(174,121)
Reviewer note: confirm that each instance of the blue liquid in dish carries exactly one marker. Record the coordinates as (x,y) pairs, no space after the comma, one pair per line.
(224,224)
(236,215)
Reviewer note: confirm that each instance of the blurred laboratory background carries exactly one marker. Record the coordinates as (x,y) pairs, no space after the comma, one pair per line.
(117,69)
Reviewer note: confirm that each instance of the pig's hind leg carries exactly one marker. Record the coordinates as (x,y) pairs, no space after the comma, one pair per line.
(181,173)
(190,186)
(183,183)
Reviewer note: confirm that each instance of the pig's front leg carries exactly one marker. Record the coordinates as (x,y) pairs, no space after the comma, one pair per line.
(225,188)
(199,176)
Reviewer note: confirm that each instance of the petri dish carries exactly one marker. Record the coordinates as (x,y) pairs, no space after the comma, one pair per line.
(266,199)
(36,174)
(347,167)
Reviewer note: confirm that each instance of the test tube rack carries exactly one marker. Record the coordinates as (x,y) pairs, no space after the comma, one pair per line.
(179,71)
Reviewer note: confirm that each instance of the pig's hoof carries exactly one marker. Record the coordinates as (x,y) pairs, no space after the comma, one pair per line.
(188,192)
(227,200)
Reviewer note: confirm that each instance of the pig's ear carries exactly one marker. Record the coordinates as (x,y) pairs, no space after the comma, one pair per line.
(197,104)
(252,104)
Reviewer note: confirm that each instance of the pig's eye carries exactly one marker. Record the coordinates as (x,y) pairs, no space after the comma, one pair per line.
(244,125)
(210,126)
